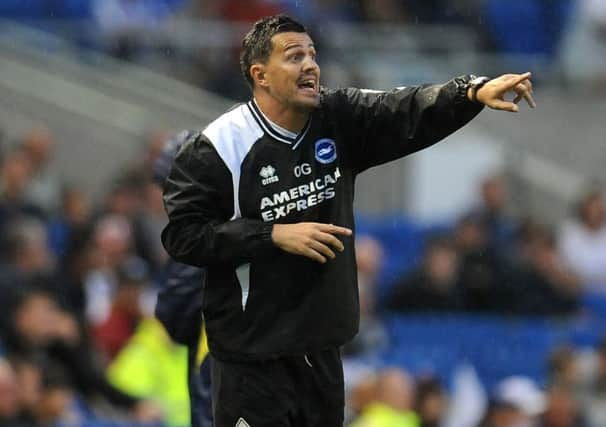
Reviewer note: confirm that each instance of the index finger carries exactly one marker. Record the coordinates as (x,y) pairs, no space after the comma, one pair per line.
(520,78)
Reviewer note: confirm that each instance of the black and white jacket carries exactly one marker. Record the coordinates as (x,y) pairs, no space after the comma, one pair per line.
(232,181)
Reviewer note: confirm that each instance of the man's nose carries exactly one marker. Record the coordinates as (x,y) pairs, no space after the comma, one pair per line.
(310,64)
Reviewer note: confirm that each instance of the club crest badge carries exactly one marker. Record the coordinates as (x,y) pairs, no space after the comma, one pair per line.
(326,151)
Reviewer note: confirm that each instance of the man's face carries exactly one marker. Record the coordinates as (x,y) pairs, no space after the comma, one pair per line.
(291,74)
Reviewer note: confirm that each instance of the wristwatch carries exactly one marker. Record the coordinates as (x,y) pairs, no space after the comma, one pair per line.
(475,85)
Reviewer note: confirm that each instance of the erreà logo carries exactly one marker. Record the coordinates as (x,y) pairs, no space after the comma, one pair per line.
(242,423)
(268,175)
(326,150)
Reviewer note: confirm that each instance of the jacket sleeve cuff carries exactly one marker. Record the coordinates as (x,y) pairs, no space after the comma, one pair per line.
(460,99)
(266,231)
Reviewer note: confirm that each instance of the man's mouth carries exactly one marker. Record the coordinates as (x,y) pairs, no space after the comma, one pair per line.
(307,84)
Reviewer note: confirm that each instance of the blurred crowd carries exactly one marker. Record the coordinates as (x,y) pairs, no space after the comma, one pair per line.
(562,30)
(78,339)
(492,263)
(569,33)
(573,395)
(489,262)
(78,277)
(79,345)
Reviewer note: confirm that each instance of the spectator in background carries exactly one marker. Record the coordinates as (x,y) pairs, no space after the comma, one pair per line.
(563,370)
(361,394)
(434,286)
(592,389)
(35,321)
(29,383)
(74,268)
(28,252)
(431,402)
(38,326)
(44,393)
(43,189)
(179,307)
(561,409)
(54,406)
(542,285)
(371,336)
(480,267)
(154,144)
(149,225)
(70,223)
(582,242)
(492,213)
(151,218)
(27,258)
(136,197)
(110,244)
(128,199)
(16,173)
(9,401)
(132,278)
(516,402)
(526,232)
(393,404)
(151,366)
(49,399)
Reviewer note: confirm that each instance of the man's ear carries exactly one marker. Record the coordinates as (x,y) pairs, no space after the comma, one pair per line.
(257,71)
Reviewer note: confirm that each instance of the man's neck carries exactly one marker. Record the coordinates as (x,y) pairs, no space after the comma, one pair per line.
(284,116)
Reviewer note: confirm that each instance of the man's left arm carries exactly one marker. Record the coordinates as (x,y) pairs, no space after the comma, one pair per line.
(389,125)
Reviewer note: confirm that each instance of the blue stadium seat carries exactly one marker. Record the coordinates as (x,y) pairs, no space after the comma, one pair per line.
(594,304)
(538,28)
(45,9)
(496,347)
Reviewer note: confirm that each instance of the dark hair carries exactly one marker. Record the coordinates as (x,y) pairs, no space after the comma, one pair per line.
(163,163)
(257,46)
(591,194)
(439,241)
(558,359)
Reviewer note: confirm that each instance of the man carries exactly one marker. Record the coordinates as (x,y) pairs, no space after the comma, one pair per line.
(179,307)
(263,198)
(516,402)
(433,287)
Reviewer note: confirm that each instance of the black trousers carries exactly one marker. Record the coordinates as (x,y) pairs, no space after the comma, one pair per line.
(294,391)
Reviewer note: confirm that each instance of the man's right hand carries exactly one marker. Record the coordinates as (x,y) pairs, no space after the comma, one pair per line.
(310,239)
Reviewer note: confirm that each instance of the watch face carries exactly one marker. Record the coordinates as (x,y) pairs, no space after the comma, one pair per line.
(479,80)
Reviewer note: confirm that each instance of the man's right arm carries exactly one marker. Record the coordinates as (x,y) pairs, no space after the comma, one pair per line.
(199,201)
